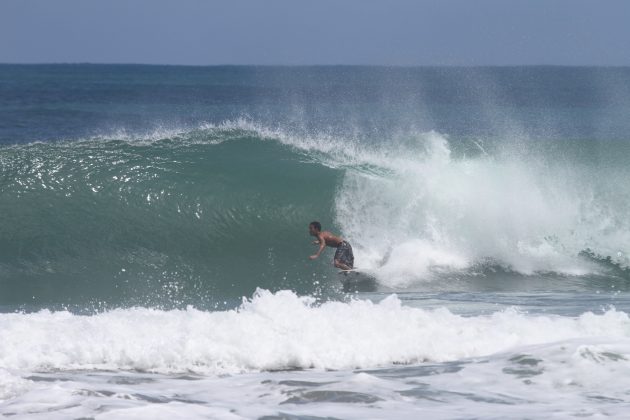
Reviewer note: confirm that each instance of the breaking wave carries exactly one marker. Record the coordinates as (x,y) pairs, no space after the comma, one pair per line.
(173,214)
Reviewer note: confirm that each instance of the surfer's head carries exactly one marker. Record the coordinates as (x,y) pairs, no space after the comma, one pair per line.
(314,228)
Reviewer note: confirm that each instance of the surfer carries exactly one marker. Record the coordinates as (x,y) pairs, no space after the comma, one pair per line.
(344,259)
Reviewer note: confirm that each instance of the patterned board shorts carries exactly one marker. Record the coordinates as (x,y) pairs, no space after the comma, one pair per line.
(344,254)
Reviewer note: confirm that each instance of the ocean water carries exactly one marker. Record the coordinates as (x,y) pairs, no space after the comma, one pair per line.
(154,245)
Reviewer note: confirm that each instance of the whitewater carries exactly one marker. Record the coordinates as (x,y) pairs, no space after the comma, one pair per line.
(351,359)
(154,245)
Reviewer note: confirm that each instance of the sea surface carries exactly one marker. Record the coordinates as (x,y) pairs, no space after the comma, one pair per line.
(154,242)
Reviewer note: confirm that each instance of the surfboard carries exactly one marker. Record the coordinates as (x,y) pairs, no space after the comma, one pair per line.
(352,270)
(355,274)
(361,280)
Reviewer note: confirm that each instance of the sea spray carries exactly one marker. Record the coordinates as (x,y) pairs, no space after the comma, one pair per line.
(433,211)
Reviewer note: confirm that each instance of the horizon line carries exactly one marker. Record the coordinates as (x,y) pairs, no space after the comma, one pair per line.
(70,63)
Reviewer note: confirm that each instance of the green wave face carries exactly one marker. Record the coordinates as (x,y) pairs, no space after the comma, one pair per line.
(197,218)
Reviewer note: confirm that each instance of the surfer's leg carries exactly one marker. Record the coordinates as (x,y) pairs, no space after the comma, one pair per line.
(349,256)
(343,257)
(342,266)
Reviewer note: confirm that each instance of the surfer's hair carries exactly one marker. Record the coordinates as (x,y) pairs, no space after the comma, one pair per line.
(316,225)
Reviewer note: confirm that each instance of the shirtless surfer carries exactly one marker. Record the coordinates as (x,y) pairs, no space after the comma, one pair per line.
(344,259)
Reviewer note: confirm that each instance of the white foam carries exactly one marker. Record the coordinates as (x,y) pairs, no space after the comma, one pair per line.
(12,385)
(435,211)
(279,331)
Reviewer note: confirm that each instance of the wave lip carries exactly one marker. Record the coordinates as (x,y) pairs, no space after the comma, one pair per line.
(274,331)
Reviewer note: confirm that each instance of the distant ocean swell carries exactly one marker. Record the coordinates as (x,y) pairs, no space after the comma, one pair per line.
(215,211)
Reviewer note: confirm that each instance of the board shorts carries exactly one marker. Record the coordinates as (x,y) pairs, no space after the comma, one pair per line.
(344,254)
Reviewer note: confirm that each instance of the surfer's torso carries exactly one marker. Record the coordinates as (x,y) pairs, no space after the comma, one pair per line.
(330,239)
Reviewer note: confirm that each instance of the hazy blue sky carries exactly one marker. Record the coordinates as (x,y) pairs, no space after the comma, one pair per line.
(395,32)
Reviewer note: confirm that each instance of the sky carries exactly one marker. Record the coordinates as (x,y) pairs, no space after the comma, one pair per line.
(302,32)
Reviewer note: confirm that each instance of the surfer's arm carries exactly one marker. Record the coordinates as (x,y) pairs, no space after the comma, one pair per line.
(322,245)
